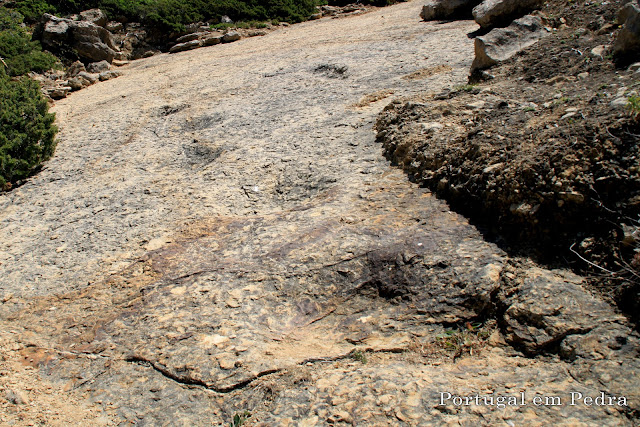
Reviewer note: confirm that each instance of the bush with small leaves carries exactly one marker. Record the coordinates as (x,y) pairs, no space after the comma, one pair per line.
(27,132)
(19,53)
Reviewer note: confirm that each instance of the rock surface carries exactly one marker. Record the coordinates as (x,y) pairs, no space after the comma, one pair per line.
(501,44)
(218,233)
(98,67)
(182,47)
(91,42)
(495,13)
(95,16)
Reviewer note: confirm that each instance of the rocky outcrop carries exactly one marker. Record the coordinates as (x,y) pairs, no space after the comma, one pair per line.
(98,67)
(496,13)
(549,306)
(445,9)
(502,43)
(88,41)
(627,45)
(94,16)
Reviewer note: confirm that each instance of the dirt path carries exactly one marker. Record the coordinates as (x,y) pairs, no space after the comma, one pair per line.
(218,233)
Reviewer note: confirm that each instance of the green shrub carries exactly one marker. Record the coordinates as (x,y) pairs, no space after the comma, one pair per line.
(174,14)
(26,129)
(32,10)
(633,104)
(20,54)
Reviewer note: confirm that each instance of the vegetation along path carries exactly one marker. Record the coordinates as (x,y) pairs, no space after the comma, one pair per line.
(219,236)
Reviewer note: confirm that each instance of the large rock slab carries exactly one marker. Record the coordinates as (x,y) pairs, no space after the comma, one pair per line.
(627,45)
(90,42)
(445,9)
(495,13)
(182,47)
(501,44)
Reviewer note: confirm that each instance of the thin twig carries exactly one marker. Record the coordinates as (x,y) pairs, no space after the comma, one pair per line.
(589,262)
(612,135)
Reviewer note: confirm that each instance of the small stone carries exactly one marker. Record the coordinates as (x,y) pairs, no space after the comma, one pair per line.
(341,416)
(385,399)
(108,75)
(476,105)
(17,397)
(599,50)
(431,126)
(232,302)
(227,363)
(583,76)
(619,103)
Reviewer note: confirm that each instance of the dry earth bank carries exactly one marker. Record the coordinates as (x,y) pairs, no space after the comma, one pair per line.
(544,158)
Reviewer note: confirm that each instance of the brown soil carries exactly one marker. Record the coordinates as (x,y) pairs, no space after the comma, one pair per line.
(538,157)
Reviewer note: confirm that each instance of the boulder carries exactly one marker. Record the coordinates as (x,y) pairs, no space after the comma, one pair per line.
(231,36)
(210,41)
(98,67)
(627,45)
(91,42)
(189,37)
(548,307)
(91,78)
(75,68)
(95,16)
(501,44)
(58,92)
(445,9)
(181,47)
(496,13)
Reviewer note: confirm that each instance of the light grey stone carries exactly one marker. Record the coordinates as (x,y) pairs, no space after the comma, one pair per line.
(492,13)
(501,44)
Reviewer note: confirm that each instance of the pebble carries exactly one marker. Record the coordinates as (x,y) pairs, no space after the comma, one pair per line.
(17,397)
(619,103)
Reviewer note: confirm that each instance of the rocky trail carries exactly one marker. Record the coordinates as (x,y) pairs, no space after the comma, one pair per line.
(219,235)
